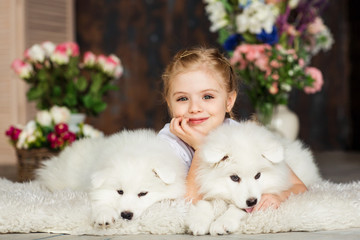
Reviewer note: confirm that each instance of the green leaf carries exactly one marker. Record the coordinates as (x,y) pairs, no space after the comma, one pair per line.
(81,84)
(249,38)
(97,83)
(70,99)
(56,91)
(99,107)
(42,76)
(34,93)
(108,87)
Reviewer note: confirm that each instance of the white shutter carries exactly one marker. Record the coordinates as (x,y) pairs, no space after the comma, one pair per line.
(22,24)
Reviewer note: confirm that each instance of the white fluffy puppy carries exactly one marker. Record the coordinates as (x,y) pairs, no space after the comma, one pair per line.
(239,164)
(124,173)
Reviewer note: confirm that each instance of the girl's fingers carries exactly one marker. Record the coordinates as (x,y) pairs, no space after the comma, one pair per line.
(176,128)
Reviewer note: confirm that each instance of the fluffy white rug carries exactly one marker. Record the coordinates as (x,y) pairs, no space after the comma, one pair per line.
(26,207)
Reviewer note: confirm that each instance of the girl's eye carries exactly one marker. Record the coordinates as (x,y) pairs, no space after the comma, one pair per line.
(208,97)
(181,99)
(257,176)
(121,192)
(142,194)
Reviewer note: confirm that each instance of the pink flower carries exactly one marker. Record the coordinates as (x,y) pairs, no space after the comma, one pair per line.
(275,64)
(316,26)
(89,58)
(61,128)
(69,136)
(13,133)
(60,55)
(274,88)
(317,76)
(238,59)
(262,62)
(72,49)
(111,65)
(291,30)
(22,69)
(275,76)
(301,62)
(52,137)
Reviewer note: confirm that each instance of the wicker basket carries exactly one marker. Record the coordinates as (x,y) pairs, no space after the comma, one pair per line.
(29,160)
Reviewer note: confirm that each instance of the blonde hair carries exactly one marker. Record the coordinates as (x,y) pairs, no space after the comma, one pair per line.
(191,59)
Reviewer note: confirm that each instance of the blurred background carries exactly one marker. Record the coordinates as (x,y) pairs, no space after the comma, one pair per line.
(145,34)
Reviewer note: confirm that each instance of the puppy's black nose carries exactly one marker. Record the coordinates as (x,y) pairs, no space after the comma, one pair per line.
(251,202)
(127,215)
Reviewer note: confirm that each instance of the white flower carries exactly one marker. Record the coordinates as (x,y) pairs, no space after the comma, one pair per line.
(286,87)
(60,114)
(36,53)
(48,47)
(91,132)
(118,71)
(293,3)
(44,118)
(217,15)
(324,41)
(60,57)
(27,135)
(256,17)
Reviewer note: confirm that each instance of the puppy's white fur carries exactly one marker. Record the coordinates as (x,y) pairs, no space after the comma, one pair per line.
(240,163)
(124,173)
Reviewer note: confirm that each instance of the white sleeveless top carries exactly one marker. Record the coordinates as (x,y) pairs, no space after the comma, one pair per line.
(185,152)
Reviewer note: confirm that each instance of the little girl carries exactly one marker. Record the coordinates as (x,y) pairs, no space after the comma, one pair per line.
(200,89)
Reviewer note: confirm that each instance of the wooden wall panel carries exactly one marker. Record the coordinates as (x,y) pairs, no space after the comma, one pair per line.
(145,35)
(22,24)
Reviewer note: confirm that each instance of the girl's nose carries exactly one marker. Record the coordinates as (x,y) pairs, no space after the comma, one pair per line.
(195,107)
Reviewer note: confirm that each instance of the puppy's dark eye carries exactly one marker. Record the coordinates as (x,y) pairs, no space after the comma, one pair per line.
(235,178)
(142,194)
(121,192)
(224,158)
(257,176)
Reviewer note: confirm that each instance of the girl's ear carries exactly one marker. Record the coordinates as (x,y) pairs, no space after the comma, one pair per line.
(231,100)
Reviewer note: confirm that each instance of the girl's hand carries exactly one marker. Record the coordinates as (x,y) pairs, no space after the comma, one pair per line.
(268,201)
(180,127)
(274,201)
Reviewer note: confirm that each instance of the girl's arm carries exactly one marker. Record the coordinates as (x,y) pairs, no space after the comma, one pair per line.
(192,189)
(274,201)
(180,128)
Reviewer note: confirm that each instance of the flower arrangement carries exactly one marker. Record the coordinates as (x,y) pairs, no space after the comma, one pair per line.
(58,76)
(51,130)
(271,43)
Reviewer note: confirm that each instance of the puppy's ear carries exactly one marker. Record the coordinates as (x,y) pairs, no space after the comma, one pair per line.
(165,174)
(98,179)
(212,155)
(275,153)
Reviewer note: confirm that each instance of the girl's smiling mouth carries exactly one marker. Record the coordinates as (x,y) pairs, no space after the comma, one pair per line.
(195,121)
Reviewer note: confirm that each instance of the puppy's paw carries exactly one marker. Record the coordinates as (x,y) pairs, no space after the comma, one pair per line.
(104,217)
(228,222)
(200,217)
(222,226)
(198,226)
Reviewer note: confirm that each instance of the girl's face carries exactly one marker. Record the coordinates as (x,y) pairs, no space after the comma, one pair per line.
(201,97)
